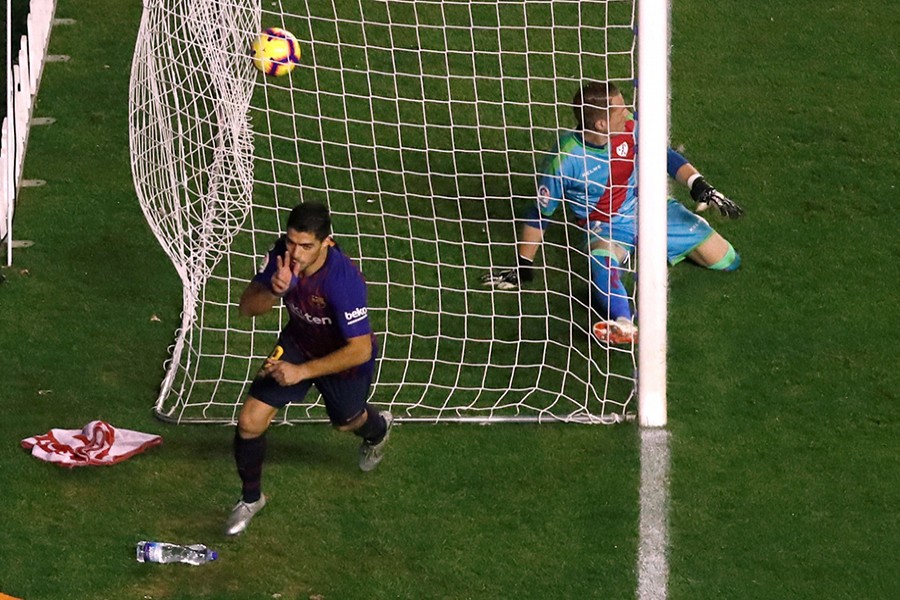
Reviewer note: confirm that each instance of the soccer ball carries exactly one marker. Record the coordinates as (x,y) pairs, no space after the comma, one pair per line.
(275,52)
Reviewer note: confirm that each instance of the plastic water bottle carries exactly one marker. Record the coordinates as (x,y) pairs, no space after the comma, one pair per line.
(163,552)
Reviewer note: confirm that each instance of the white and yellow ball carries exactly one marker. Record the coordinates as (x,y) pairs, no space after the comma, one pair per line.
(275,52)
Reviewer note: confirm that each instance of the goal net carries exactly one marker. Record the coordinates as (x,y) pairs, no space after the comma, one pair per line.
(422,124)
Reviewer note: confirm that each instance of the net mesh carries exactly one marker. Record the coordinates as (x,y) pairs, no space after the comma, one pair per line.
(422,125)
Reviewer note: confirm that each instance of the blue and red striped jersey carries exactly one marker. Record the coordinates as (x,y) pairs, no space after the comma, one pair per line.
(595,182)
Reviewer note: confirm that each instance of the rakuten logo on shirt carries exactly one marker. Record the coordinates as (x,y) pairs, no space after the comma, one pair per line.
(315,320)
(300,314)
(356,315)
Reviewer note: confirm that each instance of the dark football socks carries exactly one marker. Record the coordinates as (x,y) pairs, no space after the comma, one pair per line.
(249,456)
(374,428)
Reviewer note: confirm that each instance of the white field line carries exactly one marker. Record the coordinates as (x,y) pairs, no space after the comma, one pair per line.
(653,565)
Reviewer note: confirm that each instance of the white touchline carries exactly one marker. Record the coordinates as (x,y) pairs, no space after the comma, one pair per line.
(653,566)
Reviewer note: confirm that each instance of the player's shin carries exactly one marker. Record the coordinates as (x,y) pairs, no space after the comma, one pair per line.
(249,455)
(374,428)
(730,262)
(608,289)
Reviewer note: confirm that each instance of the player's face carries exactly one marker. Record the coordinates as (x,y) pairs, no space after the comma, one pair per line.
(305,251)
(617,114)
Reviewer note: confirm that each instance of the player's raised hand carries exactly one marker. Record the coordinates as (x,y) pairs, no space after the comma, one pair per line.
(705,194)
(281,279)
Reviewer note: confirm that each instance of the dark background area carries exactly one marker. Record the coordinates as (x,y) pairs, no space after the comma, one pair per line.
(20,14)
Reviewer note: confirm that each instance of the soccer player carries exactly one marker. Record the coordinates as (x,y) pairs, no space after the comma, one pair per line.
(592,171)
(327,342)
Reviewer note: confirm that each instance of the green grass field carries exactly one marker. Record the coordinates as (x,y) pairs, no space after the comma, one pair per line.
(783,403)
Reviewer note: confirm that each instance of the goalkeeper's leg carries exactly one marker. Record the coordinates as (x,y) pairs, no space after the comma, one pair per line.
(608,290)
(616,325)
(610,299)
(716,253)
(691,236)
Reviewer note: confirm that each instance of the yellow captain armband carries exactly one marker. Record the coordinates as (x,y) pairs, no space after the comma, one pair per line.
(276,353)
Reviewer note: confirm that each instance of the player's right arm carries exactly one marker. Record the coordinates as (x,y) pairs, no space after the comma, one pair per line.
(549,197)
(529,241)
(270,285)
(512,278)
(257,299)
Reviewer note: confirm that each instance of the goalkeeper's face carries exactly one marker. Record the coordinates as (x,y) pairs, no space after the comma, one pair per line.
(617,115)
(306,253)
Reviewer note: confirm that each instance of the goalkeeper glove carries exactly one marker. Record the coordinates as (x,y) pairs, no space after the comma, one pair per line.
(705,194)
(510,279)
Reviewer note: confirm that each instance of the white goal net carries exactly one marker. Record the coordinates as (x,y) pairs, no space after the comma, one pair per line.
(422,124)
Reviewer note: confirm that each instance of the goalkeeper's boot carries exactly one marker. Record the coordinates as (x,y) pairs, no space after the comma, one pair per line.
(371,454)
(622,331)
(242,514)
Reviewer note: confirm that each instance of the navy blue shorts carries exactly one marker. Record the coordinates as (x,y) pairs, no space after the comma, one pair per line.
(345,396)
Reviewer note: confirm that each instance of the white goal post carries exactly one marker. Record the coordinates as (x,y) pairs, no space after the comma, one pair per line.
(422,124)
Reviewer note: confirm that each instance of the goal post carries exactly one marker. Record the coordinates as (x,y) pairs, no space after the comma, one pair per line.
(653,139)
(422,124)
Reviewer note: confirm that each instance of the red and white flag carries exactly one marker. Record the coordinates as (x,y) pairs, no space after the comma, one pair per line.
(98,443)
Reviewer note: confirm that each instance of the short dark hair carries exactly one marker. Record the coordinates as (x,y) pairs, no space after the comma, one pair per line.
(311,217)
(591,103)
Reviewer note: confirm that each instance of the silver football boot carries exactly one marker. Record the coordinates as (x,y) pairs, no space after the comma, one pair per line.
(242,514)
(371,454)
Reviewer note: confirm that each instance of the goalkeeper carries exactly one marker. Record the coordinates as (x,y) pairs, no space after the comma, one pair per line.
(327,342)
(592,170)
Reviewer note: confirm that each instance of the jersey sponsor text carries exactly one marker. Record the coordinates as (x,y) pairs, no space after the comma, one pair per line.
(356,315)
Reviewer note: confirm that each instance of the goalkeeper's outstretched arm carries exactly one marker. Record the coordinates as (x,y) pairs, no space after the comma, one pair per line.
(701,191)
(511,279)
(529,241)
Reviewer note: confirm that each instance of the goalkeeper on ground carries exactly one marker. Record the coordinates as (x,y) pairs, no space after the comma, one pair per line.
(592,171)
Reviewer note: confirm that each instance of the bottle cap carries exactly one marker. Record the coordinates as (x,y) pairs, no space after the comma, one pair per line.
(213,555)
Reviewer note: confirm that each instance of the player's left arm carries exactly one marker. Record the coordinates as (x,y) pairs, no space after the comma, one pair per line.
(346,293)
(357,351)
(531,236)
(701,191)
